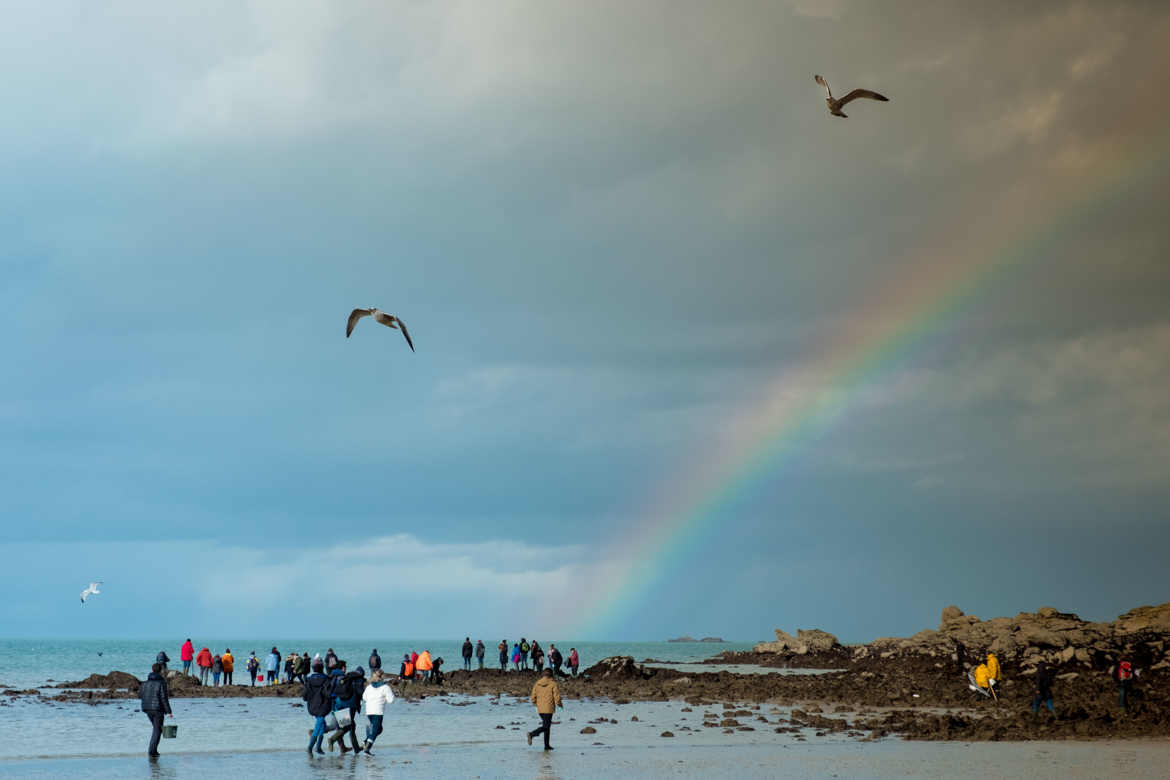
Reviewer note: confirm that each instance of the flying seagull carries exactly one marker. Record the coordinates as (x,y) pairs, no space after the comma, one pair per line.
(389,320)
(91,590)
(835,104)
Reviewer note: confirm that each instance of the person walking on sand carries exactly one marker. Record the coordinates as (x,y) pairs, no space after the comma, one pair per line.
(216,669)
(203,661)
(503,648)
(229,665)
(479,651)
(272,668)
(375,662)
(376,696)
(1043,692)
(319,703)
(156,703)
(468,649)
(253,666)
(547,697)
(347,697)
(574,660)
(187,655)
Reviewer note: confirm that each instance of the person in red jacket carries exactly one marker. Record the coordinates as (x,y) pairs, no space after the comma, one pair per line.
(187,655)
(203,661)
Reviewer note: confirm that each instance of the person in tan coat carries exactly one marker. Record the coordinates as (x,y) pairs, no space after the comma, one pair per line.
(547,697)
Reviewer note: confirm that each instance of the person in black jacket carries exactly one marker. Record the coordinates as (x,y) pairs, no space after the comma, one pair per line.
(1043,692)
(375,662)
(156,703)
(347,695)
(319,702)
(163,659)
(468,649)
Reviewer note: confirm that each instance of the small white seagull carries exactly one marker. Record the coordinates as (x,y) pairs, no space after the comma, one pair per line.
(90,591)
(389,320)
(835,104)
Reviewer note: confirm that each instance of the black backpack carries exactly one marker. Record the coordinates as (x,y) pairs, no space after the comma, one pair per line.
(318,702)
(344,688)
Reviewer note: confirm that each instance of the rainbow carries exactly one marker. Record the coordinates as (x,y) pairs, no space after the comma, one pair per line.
(802,401)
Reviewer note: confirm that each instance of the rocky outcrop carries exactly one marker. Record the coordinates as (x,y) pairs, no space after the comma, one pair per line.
(619,667)
(116,681)
(810,641)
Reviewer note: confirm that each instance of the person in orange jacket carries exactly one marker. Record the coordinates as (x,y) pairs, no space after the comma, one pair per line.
(229,665)
(425,665)
(203,661)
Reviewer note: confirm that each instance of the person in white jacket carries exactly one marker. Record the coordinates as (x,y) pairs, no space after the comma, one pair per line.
(376,696)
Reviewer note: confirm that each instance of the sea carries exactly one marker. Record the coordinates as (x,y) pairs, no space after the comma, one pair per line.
(471,736)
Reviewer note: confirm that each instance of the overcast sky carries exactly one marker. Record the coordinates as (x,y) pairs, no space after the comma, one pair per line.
(610,227)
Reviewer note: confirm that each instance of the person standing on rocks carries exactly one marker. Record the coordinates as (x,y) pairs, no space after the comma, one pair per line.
(272,668)
(479,652)
(547,697)
(203,661)
(960,657)
(468,649)
(406,671)
(1043,692)
(524,648)
(574,660)
(424,665)
(537,656)
(1124,673)
(503,648)
(375,662)
(156,703)
(253,666)
(319,703)
(303,666)
(216,668)
(229,665)
(187,655)
(993,672)
(163,659)
(555,659)
(331,661)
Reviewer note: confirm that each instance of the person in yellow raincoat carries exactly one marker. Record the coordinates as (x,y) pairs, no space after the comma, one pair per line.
(993,671)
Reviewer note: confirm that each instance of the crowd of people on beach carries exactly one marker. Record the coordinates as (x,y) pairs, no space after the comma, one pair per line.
(334,695)
(985,678)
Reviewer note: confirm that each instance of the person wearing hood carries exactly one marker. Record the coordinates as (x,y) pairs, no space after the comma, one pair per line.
(156,703)
(273,666)
(187,655)
(376,696)
(203,661)
(347,695)
(318,702)
(547,697)
(253,666)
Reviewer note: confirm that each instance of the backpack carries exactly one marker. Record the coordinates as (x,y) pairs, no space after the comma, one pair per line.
(524,647)
(319,702)
(253,663)
(344,688)
(1125,671)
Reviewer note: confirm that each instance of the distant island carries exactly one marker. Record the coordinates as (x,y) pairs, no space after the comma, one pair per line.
(692,639)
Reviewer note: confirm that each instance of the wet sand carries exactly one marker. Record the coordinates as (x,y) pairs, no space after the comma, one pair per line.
(891,758)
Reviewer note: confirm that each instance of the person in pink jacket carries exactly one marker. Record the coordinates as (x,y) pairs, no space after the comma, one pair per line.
(187,655)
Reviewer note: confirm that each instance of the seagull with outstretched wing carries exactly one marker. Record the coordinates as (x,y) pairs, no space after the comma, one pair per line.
(90,591)
(836,104)
(389,320)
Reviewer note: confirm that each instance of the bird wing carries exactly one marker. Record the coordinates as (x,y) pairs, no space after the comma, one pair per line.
(823,83)
(406,334)
(863,93)
(354,316)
